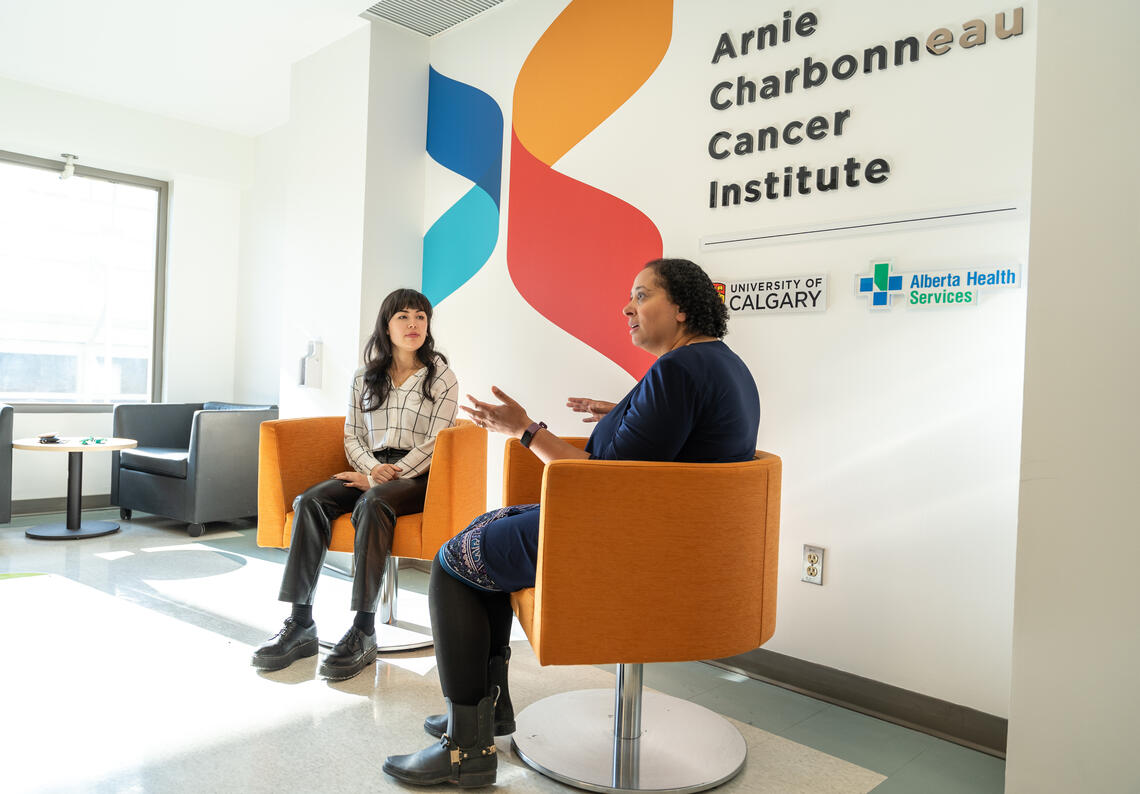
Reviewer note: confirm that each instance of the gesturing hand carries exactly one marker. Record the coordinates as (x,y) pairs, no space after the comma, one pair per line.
(353,479)
(385,472)
(508,418)
(585,405)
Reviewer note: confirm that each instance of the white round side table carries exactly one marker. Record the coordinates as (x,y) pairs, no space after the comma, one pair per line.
(74,527)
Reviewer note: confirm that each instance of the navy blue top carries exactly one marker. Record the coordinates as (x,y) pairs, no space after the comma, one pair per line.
(696,404)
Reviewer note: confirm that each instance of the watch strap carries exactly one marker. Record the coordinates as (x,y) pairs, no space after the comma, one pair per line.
(528,434)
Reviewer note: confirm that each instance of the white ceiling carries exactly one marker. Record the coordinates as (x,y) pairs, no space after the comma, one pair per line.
(221,63)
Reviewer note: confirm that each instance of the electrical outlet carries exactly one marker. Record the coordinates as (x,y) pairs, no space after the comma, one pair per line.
(813,565)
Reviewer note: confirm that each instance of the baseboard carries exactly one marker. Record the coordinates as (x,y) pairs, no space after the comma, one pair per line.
(58,504)
(959,724)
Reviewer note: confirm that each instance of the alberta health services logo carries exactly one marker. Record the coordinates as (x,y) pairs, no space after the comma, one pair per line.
(933,288)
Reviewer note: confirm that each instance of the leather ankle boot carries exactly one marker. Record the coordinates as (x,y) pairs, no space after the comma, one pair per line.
(464,755)
(497,686)
(436,724)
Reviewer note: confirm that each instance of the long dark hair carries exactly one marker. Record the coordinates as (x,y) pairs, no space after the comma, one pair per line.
(692,290)
(378,355)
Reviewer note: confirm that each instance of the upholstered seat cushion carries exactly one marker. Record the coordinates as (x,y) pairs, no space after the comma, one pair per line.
(295,453)
(156,460)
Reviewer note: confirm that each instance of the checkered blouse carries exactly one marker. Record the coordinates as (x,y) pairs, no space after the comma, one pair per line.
(406,420)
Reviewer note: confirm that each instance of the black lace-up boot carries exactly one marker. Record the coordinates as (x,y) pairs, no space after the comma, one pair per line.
(348,657)
(293,642)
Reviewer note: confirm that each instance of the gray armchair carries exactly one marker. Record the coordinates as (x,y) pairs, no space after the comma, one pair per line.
(6,412)
(195,462)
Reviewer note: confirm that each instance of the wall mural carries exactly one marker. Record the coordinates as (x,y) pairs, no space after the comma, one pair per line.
(464,135)
(573,250)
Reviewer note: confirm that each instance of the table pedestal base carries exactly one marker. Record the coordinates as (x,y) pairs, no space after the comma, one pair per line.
(86,529)
(75,526)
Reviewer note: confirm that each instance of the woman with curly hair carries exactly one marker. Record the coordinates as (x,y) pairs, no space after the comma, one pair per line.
(698,403)
(401,399)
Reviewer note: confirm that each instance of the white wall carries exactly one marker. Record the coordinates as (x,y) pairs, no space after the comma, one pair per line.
(201,287)
(397,157)
(900,430)
(1075,708)
(313,266)
(257,357)
(207,170)
(324,223)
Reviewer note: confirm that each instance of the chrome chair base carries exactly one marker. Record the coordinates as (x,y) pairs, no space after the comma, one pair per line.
(395,637)
(683,747)
(392,635)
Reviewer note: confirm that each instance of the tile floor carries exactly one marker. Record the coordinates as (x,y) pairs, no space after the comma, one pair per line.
(162,664)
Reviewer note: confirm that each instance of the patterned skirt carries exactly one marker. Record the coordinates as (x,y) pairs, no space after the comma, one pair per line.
(462,556)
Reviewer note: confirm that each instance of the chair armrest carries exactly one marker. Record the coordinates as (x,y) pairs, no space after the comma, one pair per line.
(155,424)
(294,454)
(6,424)
(222,466)
(522,471)
(457,484)
(223,438)
(665,561)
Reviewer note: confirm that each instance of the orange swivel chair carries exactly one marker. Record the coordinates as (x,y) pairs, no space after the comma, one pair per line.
(642,562)
(297,453)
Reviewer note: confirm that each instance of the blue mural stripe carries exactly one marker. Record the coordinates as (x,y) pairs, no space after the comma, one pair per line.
(464,135)
(465,132)
(459,243)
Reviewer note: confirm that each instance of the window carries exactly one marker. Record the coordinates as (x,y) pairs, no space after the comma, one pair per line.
(81,287)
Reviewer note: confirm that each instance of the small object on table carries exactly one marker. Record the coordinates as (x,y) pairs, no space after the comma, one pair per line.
(74,527)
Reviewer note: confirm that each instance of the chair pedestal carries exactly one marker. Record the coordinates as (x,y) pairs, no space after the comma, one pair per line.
(591,740)
(391,636)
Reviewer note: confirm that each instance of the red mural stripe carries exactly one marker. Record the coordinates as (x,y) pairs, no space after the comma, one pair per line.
(572,253)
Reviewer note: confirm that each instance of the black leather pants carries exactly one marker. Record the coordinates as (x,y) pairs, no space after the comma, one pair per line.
(374,515)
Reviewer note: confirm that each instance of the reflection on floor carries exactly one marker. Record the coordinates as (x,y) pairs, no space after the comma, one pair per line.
(126,669)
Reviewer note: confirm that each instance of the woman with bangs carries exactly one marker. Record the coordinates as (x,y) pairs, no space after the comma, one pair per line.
(402,397)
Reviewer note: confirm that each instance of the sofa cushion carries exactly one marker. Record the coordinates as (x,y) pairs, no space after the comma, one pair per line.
(156,460)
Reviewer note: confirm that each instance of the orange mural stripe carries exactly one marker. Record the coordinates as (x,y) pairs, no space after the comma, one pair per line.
(592,58)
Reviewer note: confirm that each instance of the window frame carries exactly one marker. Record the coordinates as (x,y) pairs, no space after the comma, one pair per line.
(160,266)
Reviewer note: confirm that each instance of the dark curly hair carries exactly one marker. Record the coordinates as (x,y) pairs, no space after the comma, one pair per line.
(378,355)
(692,290)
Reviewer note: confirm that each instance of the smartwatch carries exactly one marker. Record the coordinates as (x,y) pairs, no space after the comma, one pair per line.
(528,434)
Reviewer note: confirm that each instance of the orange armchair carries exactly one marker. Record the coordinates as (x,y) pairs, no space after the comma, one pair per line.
(642,562)
(297,453)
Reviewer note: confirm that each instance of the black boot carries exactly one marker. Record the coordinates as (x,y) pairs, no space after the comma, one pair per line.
(464,755)
(353,653)
(293,642)
(436,724)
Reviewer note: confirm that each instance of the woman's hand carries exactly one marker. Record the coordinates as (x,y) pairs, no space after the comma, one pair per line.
(385,472)
(353,479)
(508,418)
(595,408)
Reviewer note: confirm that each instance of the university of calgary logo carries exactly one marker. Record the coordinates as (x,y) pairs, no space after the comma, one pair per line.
(719,289)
